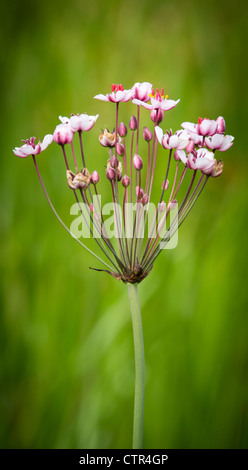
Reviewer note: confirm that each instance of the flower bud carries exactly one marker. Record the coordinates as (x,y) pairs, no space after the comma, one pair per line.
(190,147)
(144,199)
(133,123)
(122,130)
(176,156)
(165,185)
(63,134)
(221,125)
(114,162)
(94,177)
(120,149)
(110,173)
(107,139)
(137,162)
(91,207)
(161,206)
(125,181)
(139,192)
(172,205)
(217,169)
(147,134)
(157,115)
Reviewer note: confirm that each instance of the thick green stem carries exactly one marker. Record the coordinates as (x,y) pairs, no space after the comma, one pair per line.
(139,366)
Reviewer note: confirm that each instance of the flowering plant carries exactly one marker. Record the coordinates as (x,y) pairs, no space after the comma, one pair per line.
(140,233)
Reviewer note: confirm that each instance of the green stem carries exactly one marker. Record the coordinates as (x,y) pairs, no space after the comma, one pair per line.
(139,366)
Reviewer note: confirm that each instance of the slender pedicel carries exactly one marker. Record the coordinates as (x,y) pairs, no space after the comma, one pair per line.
(61,221)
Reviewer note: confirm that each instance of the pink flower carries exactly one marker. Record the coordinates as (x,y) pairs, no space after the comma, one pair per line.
(117,94)
(219,142)
(80,122)
(158,101)
(142,91)
(203,128)
(63,134)
(29,148)
(192,129)
(206,127)
(177,141)
(221,125)
(200,159)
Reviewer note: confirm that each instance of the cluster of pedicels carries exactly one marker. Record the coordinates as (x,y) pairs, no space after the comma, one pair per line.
(194,147)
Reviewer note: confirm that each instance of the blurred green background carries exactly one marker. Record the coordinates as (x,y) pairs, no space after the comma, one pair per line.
(67,363)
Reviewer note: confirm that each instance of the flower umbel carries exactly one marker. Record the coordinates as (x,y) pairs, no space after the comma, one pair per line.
(131,173)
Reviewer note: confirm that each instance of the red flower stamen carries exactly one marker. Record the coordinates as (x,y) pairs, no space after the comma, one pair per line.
(158,95)
(115,87)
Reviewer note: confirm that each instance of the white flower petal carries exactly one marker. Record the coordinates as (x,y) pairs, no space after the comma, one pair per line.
(227,143)
(48,139)
(142,103)
(159,133)
(64,120)
(17,151)
(101,97)
(182,155)
(168,104)
(189,126)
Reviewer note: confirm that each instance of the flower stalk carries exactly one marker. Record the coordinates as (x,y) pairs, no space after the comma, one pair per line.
(139,394)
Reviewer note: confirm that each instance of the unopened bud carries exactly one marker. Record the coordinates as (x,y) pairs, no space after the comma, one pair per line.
(120,149)
(133,123)
(161,206)
(110,173)
(190,147)
(139,192)
(217,169)
(114,161)
(122,130)
(94,177)
(176,156)
(91,207)
(172,205)
(63,134)
(144,199)
(157,115)
(221,125)
(165,185)
(125,181)
(147,134)
(137,162)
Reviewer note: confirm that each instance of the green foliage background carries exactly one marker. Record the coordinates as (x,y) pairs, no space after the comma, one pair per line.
(67,365)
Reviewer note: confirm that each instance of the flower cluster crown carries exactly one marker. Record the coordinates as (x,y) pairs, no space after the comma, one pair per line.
(143,233)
